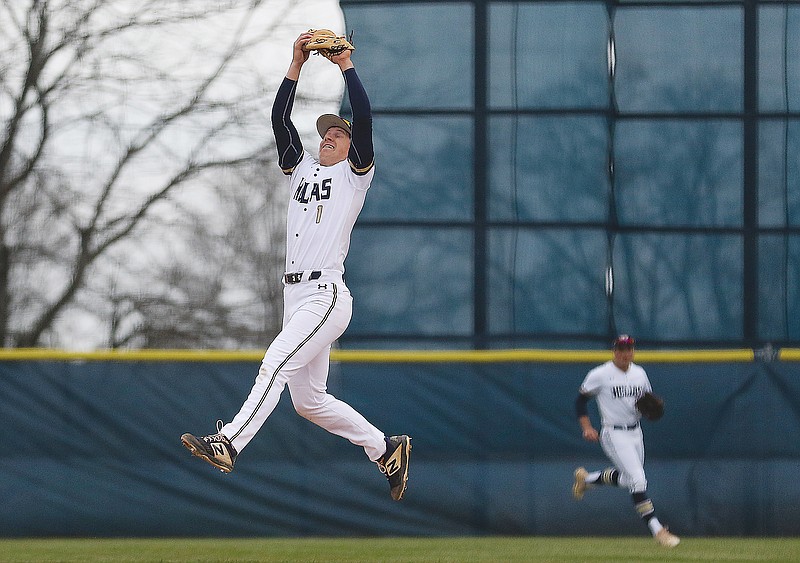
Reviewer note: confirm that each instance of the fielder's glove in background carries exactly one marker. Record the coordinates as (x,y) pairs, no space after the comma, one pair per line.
(327,43)
(651,406)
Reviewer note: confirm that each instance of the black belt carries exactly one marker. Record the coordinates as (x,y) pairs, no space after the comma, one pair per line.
(631,427)
(297,277)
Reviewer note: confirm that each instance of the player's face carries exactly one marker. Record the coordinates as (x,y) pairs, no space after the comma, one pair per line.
(623,356)
(334,146)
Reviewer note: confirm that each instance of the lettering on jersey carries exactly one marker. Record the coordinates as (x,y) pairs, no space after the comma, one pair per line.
(308,191)
(619,391)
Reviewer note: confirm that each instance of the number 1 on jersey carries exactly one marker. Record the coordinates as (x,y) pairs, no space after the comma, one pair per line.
(319,213)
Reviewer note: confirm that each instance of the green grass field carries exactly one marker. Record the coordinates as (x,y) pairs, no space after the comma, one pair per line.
(410,550)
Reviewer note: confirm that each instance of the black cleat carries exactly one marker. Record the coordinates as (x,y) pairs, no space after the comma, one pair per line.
(394,464)
(216,449)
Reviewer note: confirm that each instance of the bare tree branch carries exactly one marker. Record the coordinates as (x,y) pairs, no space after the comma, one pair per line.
(109,119)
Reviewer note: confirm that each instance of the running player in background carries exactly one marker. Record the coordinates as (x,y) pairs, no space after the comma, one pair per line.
(325,197)
(616,385)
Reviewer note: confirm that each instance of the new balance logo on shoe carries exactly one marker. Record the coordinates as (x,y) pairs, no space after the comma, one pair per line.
(394,464)
(215,449)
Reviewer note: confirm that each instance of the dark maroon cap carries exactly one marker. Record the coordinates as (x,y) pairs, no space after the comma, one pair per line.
(623,342)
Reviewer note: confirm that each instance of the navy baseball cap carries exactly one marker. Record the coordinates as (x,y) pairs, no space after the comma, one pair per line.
(328,120)
(623,342)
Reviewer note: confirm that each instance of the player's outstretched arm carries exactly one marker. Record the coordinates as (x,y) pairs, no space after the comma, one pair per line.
(362,153)
(287,139)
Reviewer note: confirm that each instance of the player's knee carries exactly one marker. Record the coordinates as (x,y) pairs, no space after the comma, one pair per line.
(304,409)
(307,408)
(638,485)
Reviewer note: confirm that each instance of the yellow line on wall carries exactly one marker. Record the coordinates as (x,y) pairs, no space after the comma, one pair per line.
(789,354)
(46,354)
(389,356)
(544,356)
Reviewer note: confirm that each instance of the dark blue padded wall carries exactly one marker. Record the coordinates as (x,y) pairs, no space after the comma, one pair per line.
(92,448)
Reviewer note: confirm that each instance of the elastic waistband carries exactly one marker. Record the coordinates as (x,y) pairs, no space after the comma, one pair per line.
(622,427)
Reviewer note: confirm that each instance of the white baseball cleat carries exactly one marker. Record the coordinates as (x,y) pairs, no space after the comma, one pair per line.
(579,486)
(663,537)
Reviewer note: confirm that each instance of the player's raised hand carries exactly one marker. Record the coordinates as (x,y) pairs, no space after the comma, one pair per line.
(341,59)
(299,55)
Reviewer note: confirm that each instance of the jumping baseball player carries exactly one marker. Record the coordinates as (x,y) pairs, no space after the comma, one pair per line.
(616,385)
(325,199)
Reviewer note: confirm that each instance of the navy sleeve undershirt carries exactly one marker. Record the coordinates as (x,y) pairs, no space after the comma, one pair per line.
(362,152)
(287,139)
(580,405)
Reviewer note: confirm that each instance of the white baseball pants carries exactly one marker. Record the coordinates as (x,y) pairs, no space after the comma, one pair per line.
(625,449)
(316,313)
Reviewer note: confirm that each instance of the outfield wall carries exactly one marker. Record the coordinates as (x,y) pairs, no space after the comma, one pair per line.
(92,447)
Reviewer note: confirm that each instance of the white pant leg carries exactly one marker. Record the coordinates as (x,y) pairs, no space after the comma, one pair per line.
(308,389)
(315,316)
(625,449)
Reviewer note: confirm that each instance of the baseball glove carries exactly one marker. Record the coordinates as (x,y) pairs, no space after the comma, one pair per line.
(651,406)
(326,43)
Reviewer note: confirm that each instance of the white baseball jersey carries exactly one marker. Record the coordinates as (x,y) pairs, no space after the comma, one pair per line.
(616,392)
(324,204)
(621,437)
